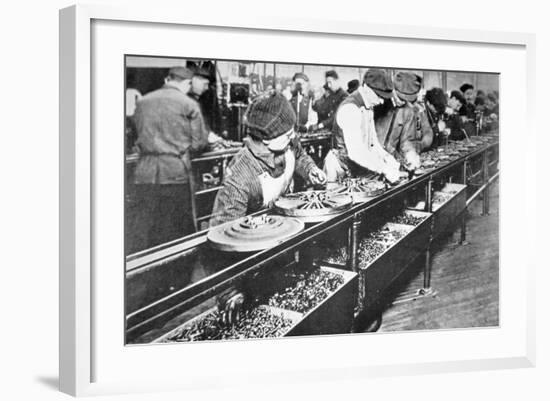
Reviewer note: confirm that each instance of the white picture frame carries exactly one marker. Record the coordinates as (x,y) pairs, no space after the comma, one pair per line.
(80,344)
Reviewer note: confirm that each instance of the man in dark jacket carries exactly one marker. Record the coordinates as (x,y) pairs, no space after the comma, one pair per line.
(469,96)
(436,104)
(455,121)
(331,103)
(321,105)
(490,114)
(170,128)
(263,170)
(468,109)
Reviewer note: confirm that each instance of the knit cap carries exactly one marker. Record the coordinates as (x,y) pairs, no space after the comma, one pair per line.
(269,116)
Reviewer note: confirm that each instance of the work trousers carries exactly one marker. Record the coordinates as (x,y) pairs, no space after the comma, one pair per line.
(162,213)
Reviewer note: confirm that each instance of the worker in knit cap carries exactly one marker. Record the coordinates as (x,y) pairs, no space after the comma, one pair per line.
(260,173)
(263,170)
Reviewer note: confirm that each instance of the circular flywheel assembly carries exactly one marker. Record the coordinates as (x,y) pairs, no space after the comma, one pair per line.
(253,233)
(361,188)
(313,206)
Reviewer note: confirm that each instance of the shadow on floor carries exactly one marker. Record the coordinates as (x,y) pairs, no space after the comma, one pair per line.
(52,382)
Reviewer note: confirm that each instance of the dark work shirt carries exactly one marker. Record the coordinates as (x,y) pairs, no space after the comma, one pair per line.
(321,108)
(327,106)
(433,120)
(468,110)
(454,122)
(301,106)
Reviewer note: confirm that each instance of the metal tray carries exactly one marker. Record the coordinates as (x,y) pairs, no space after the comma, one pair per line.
(334,315)
(376,276)
(293,316)
(445,214)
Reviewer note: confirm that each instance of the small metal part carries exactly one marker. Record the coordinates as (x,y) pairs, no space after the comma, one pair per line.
(259,322)
(307,291)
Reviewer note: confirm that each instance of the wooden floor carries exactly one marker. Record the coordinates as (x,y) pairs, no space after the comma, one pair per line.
(464,277)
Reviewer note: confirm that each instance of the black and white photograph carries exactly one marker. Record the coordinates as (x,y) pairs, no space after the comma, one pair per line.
(271,199)
(256,201)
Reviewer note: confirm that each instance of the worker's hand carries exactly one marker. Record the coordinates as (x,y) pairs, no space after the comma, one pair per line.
(230,305)
(392,175)
(213,138)
(317,176)
(390,169)
(441,125)
(301,129)
(413,160)
(315,127)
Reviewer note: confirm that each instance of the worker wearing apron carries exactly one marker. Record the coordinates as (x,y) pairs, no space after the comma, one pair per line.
(263,170)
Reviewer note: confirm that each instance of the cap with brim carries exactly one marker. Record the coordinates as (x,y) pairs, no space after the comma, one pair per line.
(199,72)
(383,94)
(379,81)
(181,72)
(300,75)
(407,86)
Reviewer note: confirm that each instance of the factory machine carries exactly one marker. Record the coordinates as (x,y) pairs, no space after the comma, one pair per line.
(318,262)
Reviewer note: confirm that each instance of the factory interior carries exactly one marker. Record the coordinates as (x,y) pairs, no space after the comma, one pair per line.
(270,200)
